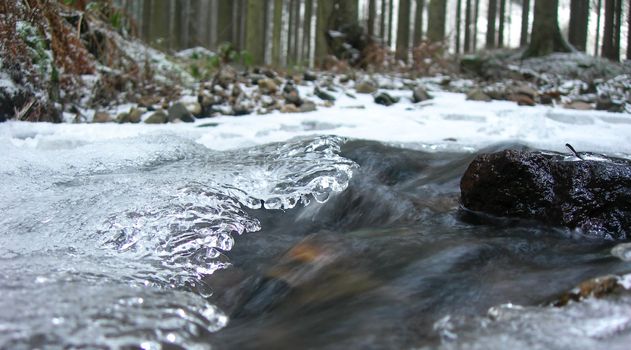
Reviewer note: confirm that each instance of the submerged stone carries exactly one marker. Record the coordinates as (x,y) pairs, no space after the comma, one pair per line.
(593,195)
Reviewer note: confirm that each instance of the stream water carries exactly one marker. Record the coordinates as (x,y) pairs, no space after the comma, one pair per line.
(157,242)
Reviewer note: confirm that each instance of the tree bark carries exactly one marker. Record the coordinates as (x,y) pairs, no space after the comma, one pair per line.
(629,33)
(467,27)
(306,40)
(525,23)
(403,30)
(490,24)
(458,26)
(579,17)
(255,30)
(500,31)
(546,35)
(372,14)
(224,23)
(597,40)
(475,25)
(276,34)
(390,20)
(323,25)
(418,22)
(383,23)
(609,40)
(436,26)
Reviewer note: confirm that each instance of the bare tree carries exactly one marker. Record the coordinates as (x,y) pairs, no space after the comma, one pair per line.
(437,16)
(579,17)
(546,35)
(490,24)
(403,30)
(500,31)
(418,22)
(467,26)
(525,22)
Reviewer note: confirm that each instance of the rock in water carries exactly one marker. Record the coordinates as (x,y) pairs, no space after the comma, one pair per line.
(178,111)
(593,195)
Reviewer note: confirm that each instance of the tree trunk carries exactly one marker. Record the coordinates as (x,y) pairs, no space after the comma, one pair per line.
(347,12)
(383,21)
(224,23)
(597,39)
(617,28)
(323,25)
(467,27)
(475,25)
(276,34)
(255,30)
(306,40)
(525,23)
(458,20)
(608,49)
(372,14)
(500,31)
(418,22)
(403,30)
(490,24)
(546,35)
(436,26)
(629,34)
(390,20)
(579,17)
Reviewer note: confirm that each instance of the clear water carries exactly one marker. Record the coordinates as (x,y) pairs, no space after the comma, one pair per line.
(156,242)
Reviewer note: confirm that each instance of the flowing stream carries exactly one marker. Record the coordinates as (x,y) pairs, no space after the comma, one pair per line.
(156,242)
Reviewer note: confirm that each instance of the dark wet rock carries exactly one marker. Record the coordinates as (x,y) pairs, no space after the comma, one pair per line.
(159,117)
(102,117)
(385,99)
(178,111)
(310,76)
(366,87)
(307,106)
(591,195)
(420,94)
(291,95)
(268,86)
(323,95)
(478,95)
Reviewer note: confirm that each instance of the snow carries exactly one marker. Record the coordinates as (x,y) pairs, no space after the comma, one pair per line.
(447,122)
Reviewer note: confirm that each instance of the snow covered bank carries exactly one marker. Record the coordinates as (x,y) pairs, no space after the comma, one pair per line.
(448,121)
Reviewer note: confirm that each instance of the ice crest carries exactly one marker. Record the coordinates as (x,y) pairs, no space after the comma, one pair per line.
(187,233)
